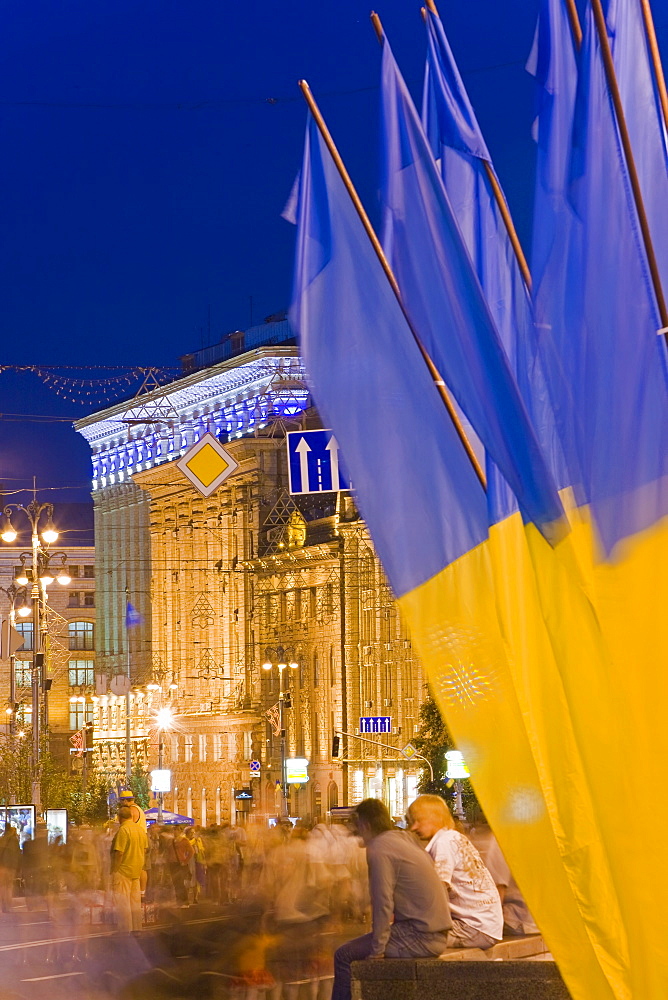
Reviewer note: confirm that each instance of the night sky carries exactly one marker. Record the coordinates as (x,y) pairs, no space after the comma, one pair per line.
(148,150)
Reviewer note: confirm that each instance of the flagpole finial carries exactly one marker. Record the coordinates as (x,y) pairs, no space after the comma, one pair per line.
(377,26)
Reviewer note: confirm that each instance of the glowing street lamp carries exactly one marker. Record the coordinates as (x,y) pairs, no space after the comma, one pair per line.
(164,720)
(280,659)
(38,576)
(457,770)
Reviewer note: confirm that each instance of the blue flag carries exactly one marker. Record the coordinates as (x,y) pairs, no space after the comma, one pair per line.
(553,264)
(447,305)
(609,348)
(465,164)
(132,616)
(644,117)
(416,487)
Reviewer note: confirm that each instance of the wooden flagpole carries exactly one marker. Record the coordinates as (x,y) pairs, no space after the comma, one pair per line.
(576,27)
(613,86)
(389,274)
(656,58)
(499,198)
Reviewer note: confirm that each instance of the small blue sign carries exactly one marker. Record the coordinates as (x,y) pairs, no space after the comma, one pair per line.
(255,767)
(376,724)
(112,799)
(313,463)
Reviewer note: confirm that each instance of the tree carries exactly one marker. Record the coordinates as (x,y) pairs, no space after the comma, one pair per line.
(59,788)
(433,741)
(139,786)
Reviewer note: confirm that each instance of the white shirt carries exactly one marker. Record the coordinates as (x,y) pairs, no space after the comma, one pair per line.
(474,899)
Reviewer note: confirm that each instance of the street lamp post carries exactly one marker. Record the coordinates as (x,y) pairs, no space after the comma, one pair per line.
(164,720)
(38,577)
(281,659)
(18,605)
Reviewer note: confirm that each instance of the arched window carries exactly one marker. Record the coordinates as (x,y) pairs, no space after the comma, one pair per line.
(81,635)
(332,795)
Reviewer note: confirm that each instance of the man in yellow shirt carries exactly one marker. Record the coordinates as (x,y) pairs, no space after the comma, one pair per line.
(127,798)
(128,853)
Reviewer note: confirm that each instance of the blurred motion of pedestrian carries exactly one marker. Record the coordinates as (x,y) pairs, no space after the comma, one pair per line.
(127,798)
(128,850)
(10,859)
(517,919)
(36,869)
(182,871)
(197,863)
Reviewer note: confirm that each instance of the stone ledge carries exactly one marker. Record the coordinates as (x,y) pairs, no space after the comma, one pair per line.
(457,979)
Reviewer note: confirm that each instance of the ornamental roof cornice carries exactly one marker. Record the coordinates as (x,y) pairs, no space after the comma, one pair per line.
(323,552)
(246,375)
(231,400)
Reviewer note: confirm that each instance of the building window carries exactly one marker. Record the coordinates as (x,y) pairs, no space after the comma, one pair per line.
(80,713)
(81,672)
(74,571)
(188,749)
(175,749)
(202,747)
(25,629)
(88,573)
(217,746)
(82,599)
(81,635)
(248,745)
(23,673)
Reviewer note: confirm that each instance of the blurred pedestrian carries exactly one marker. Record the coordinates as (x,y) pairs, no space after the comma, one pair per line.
(184,854)
(36,868)
(128,855)
(10,858)
(198,862)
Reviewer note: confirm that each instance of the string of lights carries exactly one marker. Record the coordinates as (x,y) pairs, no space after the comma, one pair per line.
(212,104)
(81,390)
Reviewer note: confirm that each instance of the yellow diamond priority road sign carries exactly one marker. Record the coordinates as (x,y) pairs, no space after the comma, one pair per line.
(206,464)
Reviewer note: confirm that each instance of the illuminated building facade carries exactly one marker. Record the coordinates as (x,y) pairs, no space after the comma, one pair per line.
(245,595)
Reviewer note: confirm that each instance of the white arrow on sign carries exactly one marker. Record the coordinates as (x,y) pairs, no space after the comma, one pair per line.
(302,450)
(333,449)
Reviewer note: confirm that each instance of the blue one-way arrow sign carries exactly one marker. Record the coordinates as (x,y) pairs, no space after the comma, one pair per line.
(376,724)
(313,463)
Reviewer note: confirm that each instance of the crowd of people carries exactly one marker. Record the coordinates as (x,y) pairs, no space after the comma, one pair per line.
(287,894)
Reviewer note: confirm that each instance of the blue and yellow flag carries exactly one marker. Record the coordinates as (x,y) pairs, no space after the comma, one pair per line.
(428,517)
(597,300)
(535,592)
(547,661)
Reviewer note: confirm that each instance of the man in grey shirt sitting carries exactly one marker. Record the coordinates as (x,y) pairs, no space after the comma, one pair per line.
(404,887)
